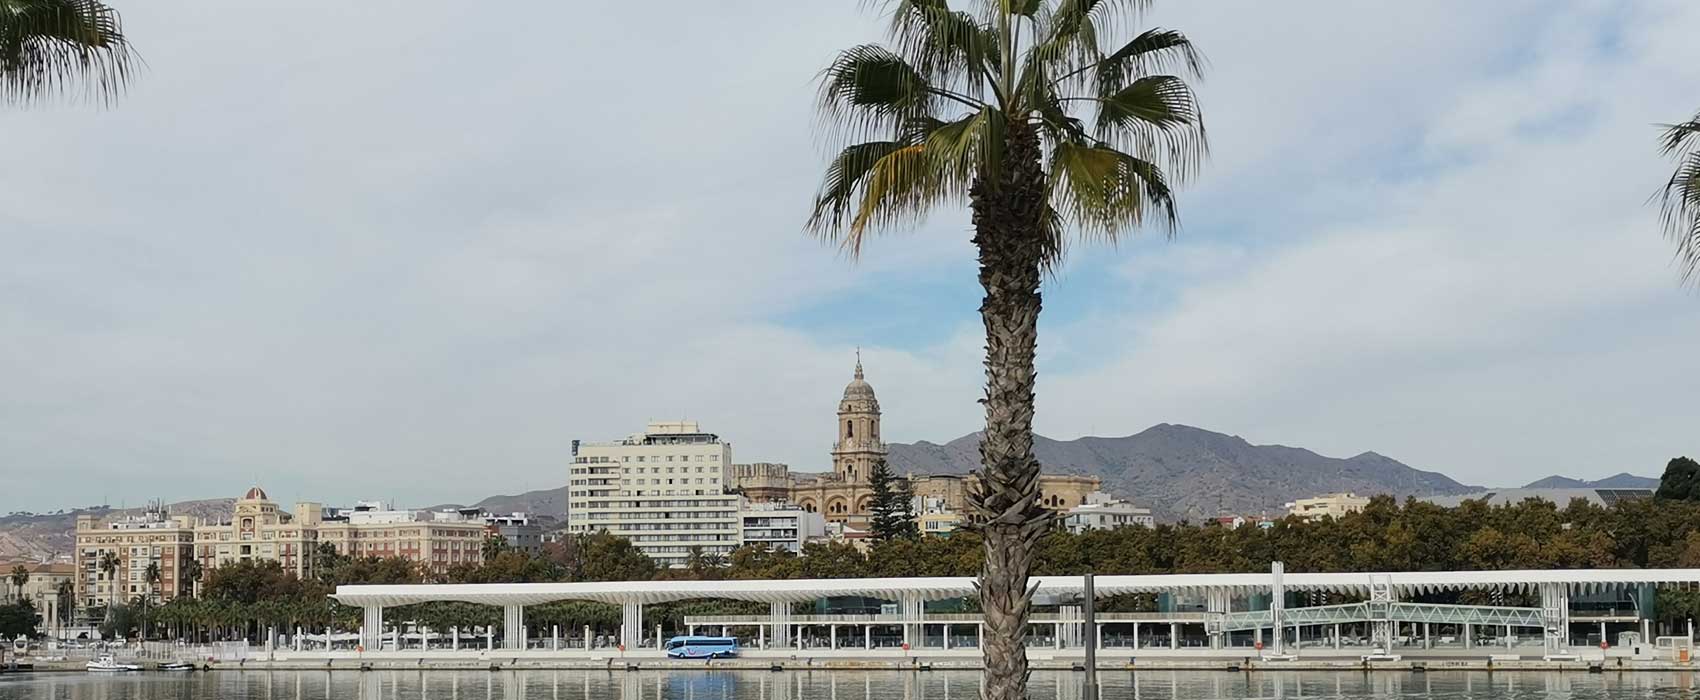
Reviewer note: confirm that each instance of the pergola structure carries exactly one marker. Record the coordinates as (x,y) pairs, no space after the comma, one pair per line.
(1384,597)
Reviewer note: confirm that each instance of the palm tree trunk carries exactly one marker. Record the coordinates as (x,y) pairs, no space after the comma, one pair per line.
(1011,236)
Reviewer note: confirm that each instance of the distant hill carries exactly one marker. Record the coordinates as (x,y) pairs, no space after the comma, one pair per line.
(1181,472)
(1623,480)
(550,503)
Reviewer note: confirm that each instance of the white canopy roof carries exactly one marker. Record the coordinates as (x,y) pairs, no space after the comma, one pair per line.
(801,590)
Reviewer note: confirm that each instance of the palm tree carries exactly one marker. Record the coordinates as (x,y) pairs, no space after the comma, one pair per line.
(109,564)
(20,576)
(151,576)
(192,574)
(48,47)
(67,593)
(1018,109)
(1681,195)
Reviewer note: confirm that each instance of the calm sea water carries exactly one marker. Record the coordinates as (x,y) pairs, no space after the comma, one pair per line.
(835,685)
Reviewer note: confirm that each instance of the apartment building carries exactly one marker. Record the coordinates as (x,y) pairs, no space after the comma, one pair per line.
(436,541)
(113,558)
(664,490)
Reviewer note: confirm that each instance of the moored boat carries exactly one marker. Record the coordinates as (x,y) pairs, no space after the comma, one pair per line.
(106,663)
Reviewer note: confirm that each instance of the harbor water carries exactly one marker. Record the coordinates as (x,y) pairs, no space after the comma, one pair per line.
(836,685)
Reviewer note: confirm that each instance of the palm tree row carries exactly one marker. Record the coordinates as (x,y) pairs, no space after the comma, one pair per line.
(1049,128)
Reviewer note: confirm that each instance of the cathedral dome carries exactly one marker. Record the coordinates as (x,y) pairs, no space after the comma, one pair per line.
(255,494)
(858,388)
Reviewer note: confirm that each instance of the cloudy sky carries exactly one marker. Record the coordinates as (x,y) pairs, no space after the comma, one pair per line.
(411,250)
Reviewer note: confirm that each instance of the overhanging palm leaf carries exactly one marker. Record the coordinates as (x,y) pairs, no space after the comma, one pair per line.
(1019,109)
(1680,206)
(51,47)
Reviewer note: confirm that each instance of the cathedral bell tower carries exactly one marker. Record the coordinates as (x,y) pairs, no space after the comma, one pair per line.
(858,445)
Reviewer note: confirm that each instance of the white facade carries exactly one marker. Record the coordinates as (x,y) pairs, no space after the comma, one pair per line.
(780,526)
(1102,513)
(664,490)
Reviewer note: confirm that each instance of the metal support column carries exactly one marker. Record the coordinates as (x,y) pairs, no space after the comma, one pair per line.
(1090,638)
(631,626)
(1278,605)
(779,620)
(913,615)
(1555,614)
(513,627)
(1217,603)
(372,627)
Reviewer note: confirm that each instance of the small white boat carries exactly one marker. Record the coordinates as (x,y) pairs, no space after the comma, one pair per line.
(177,666)
(105,662)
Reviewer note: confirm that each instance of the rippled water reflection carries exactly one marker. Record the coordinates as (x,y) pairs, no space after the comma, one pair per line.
(834,685)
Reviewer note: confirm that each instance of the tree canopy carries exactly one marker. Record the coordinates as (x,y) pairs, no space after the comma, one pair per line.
(892,512)
(1681,480)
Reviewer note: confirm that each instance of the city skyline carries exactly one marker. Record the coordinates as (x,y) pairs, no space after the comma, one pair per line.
(323,275)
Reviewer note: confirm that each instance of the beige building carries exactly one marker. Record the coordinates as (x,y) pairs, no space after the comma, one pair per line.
(437,541)
(137,543)
(259,530)
(844,495)
(665,490)
(1330,505)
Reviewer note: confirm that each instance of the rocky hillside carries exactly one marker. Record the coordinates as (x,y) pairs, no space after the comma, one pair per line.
(1184,472)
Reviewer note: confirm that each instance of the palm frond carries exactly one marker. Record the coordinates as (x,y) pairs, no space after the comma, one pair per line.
(1680,137)
(951,48)
(961,149)
(51,47)
(1153,51)
(1679,207)
(1103,191)
(1156,117)
(843,178)
(1108,15)
(869,91)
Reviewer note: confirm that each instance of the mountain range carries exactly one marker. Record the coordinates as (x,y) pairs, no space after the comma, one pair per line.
(1178,471)
(1182,472)
(1623,480)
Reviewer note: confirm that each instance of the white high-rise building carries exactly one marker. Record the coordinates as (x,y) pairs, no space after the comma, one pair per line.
(665,490)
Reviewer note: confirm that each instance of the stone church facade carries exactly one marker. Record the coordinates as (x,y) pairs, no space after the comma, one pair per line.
(844,495)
